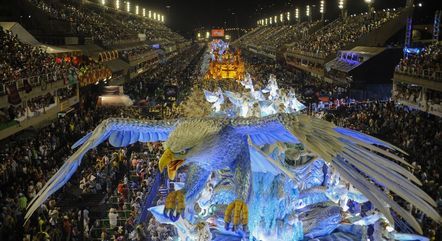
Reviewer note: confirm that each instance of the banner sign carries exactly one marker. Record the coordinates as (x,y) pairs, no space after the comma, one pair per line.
(217,32)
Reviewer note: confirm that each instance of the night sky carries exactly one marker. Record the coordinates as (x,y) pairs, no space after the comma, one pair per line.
(184,16)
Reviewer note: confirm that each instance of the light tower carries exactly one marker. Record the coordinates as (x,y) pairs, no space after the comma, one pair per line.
(322,9)
(341,5)
(307,13)
(370,5)
(298,19)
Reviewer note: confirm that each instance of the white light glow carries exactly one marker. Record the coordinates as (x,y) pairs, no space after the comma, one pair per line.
(288,16)
(117,4)
(297,13)
(103,2)
(321,9)
(128,6)
(144,12)
(150,14)
(136,10)
(341,4)
(307,11)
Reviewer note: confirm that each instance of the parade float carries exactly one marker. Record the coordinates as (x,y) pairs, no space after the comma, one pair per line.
(259,169)
(224,63)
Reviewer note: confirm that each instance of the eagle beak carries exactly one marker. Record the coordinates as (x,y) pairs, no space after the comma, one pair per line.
(168,160)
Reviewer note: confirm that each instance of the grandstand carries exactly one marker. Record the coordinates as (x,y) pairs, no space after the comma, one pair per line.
(417,80)
(269,41)
(373,29)
(96,43)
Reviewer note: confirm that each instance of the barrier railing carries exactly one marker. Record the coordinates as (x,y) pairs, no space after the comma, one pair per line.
(430,74)
(39,80)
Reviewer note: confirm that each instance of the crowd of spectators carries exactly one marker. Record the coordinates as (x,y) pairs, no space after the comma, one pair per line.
(271,38)
(414,131)
(39,103)
(84,21)
(26,165)
(135,53)
(149,89)
(28,162)
(66,93)
(341,32)
(425,64)
(106,25)
(20,60)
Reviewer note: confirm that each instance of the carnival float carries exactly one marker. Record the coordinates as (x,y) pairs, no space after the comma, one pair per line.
(259,169)
(225,62)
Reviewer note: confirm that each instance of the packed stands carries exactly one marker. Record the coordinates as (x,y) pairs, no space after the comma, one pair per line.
(85,21)
(341,32)
(426,64)
(269,39)
(418,80)
(107,26)
(19,60)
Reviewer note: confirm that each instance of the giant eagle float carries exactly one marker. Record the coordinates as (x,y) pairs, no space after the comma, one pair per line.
(207,145)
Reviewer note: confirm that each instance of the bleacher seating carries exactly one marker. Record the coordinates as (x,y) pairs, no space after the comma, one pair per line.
(269,39)
(341,32)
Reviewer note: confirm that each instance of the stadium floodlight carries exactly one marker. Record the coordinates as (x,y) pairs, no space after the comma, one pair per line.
(370,5)
(281,17)
(162,18)
(321,6)
(341,4)
(150,14)
(199,35)
(128,6)
(271,20)
(267,21)
(103,2)
(307,11)
(276,19)
(117,4)
(288,16)
(154,16)
(297,13)
(207,35)
(144,12)
(136,10)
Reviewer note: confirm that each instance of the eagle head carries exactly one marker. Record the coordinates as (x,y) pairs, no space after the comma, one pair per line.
(190,141)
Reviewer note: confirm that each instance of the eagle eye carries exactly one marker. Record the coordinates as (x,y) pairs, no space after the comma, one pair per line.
(183,152)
